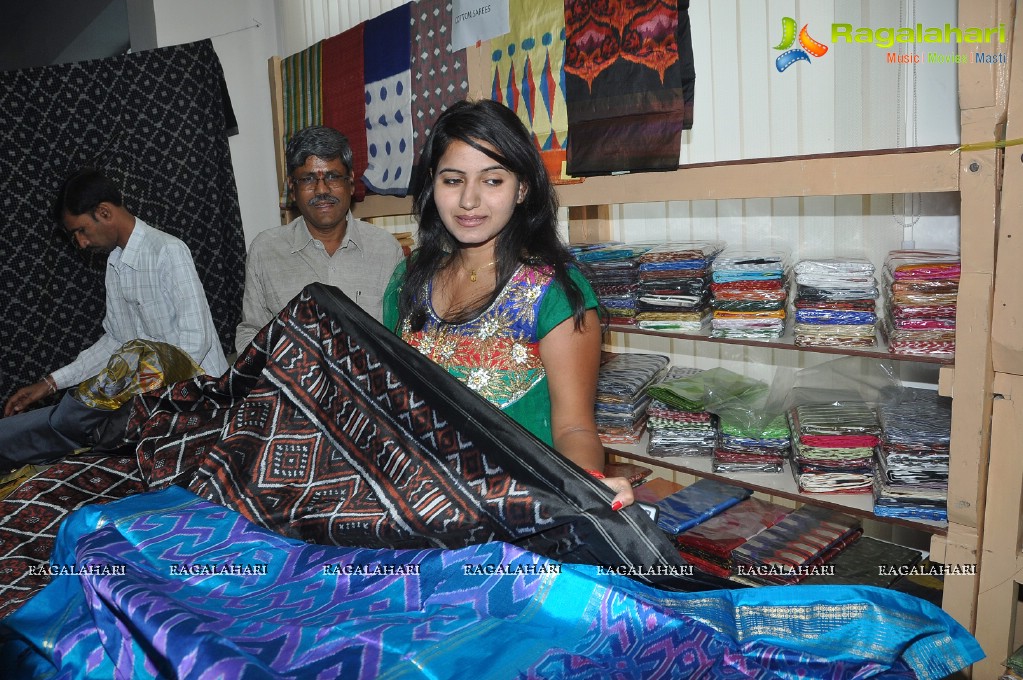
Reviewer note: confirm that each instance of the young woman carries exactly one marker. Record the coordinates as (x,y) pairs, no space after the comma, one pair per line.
(491,293)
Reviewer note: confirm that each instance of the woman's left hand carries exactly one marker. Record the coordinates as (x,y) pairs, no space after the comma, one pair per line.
(623,491)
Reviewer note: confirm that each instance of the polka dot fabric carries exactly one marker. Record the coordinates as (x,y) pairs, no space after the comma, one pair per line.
(387,44)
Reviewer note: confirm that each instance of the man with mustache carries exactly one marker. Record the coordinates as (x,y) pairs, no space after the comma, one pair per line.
(152,293)
(326,244)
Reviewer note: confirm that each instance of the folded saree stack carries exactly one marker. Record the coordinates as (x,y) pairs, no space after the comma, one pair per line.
(749,291)
(912,480)
(676,420)
(620,410)
(708,546)
(796,547)
(833,447)
(674,285)
(750,438)
(920,313)
(613,270)
(697,503)
(760,445)
(835,303)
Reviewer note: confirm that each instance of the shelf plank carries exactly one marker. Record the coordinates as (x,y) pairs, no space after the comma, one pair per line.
(878,171)
(780,484)
(787,342)
(881,171)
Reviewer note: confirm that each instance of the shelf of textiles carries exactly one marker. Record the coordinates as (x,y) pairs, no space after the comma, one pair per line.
(886,457)
(721,529)
(703,290)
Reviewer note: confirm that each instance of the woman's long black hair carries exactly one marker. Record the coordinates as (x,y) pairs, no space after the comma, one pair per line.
(531,235)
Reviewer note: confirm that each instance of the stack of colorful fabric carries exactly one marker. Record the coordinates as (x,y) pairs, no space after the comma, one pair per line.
(697,503)
(912,480)
(679,426)
(751,445)
(708,546)
(796,547)
(674,285)
(613,270)
(920,313)
(835,303)
(749,292)
(833,447)
(622,400)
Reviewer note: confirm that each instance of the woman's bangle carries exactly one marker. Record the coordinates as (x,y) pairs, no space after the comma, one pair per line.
(596,474)
(50,383)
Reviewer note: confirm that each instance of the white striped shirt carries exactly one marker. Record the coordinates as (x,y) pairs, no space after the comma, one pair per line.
(152,293)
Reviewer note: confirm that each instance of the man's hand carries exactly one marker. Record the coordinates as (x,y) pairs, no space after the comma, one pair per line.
(25,397)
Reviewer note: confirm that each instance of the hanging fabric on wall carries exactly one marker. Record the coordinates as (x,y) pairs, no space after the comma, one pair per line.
(344,97)
(387,54)
(155,122)
(439,75)
(629,94)
(300,79)
(527,75)
(302,100)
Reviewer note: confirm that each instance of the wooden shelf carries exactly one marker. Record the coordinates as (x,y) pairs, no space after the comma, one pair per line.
(877,171)
(787,342)
(780,484)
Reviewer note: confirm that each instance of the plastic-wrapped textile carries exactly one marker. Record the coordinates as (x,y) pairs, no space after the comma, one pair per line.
(751,286)
(862,305)
(691,286)
(696,503)
(749,445)
(682,250)
(748,333)
(683,322)
(921,286)
(609,251)
(735,261)
(818,335)
(909,502)
(923,264)
(664,303)
(625,376)
(835,317)
(835,267)
(663,275)
(835,482)
(931,342)
(838,419)
(923,324)
(743,306)
(918,416)
(854,272)
(836,293)
(915,469)
(731,462)
(907,309)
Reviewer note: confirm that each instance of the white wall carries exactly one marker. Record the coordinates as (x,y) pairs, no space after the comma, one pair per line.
(244,34)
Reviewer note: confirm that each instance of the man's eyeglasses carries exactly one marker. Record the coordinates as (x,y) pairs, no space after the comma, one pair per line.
(333,180)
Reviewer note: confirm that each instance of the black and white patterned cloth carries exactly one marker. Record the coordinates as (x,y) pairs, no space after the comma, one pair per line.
(156,122)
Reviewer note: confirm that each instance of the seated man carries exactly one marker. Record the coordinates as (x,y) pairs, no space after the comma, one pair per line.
(152,293)
(326,244)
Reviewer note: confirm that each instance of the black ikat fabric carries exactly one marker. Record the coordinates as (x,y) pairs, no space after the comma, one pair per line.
(156,122)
